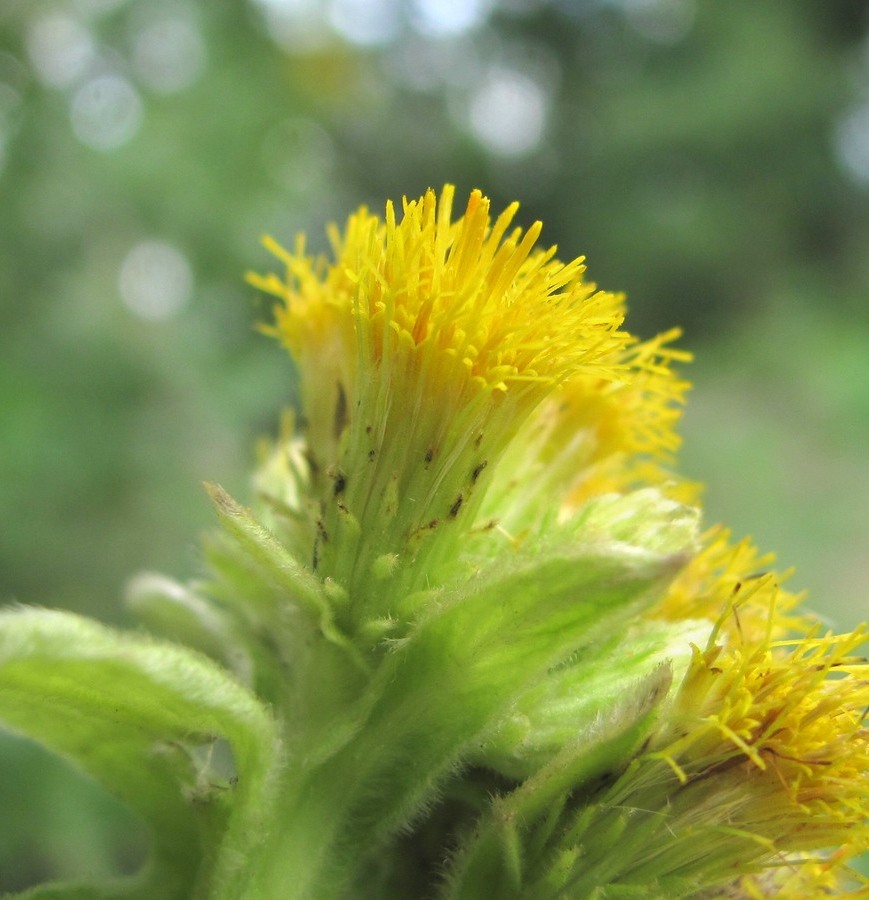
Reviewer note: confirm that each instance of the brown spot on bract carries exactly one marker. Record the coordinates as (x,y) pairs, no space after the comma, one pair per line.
(311,460)
(340,411)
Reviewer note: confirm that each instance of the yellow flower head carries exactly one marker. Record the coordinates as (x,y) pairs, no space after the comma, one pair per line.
(441,311)
(426,344)
(756,783)
(768,743)
(769,722)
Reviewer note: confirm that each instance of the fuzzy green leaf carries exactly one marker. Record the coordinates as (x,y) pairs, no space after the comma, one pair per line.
(177,612)
(169,732)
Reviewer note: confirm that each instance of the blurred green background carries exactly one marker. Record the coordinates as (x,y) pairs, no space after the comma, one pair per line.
(711,159)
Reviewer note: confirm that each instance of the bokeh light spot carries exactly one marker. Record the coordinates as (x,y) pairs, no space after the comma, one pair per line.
(852,143)
(507,113)
(368,23)
(169,52)
(155,280)
(296,25)
(10,103)
(106,112)
(96,8)
(422,64)
(661,21)
(446,18)
(60,49)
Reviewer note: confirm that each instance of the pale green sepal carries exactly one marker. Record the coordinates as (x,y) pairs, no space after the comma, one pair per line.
(644,519)
(582,690)
(295,584)
(641,521)
(165,729)
(518,852)
(299,585)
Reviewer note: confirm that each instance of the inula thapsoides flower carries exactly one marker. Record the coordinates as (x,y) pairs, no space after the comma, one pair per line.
(471,640)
